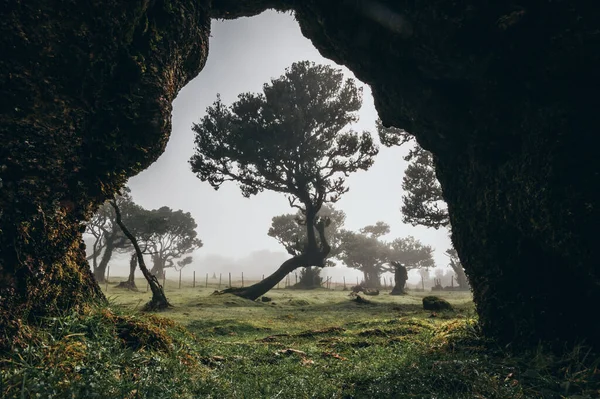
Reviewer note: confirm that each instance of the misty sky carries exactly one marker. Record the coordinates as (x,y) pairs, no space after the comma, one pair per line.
(244,54)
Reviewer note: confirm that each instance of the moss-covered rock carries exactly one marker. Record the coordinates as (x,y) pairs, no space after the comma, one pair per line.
(436,303)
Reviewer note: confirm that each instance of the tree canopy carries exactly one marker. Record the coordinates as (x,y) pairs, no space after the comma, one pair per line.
(173,235)
(423,203)
(293,138)
(368,252)
(164,234)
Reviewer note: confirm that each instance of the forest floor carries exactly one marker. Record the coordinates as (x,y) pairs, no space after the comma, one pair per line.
(303,344)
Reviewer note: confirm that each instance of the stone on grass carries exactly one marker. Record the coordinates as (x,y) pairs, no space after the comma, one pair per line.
(436,303)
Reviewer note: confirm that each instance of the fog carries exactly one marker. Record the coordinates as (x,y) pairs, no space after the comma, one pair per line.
(244,54)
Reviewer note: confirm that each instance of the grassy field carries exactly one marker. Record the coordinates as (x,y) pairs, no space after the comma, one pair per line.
(303,344)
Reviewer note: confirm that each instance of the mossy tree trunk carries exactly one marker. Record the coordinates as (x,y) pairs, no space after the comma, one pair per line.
(85,103)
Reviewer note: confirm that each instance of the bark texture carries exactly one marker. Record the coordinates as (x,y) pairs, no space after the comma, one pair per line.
(85,102)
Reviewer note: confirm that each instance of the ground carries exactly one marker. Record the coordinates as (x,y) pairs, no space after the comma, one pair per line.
(302,344)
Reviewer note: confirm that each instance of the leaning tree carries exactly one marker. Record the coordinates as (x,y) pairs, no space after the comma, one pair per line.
(294,139)
(108,237)
(159,300)
(290,231)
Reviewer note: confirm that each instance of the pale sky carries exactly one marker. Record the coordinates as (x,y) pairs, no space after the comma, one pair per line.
(244,54)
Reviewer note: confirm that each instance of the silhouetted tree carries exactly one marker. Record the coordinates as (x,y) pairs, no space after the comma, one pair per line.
(287,139)
(423,203)
(367,252)
(173,236)
(159,299)
(459,272)
(290,231)
(407,254)
(108,237)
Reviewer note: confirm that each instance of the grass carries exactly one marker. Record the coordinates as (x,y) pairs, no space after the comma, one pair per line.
(303,344)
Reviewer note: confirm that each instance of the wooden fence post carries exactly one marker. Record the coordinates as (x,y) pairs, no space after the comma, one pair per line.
(229,279)
(206,281)
(344,283)
(242,279)
(220,280)
(164,278)
(194,281)
(180,278)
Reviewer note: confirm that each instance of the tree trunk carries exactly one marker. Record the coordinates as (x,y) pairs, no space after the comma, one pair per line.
(43,270)
(372,278)
(130,283)
(158,267)
(100,272)
(255,291)
(400,278)
(536,277)
(159,300)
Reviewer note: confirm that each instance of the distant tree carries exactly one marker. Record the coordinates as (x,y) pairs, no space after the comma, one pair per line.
(290,231)
(108,237)
(142,224)
(159,299)
(392,136)
(459,272)
(408,254)
(288,139)
(95,227)
(367,252)
(423,203)
(364,251)
(173,236)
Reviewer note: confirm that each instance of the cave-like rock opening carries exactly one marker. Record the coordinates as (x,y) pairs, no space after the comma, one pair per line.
(501,94)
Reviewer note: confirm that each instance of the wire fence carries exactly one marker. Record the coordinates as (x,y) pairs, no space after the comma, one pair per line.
(173,280)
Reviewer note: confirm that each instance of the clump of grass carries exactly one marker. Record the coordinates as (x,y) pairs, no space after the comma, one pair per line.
(104,354)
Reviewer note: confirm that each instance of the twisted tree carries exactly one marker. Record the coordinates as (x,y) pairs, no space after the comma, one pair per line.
(293,139)
(159,300)
(290,231)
